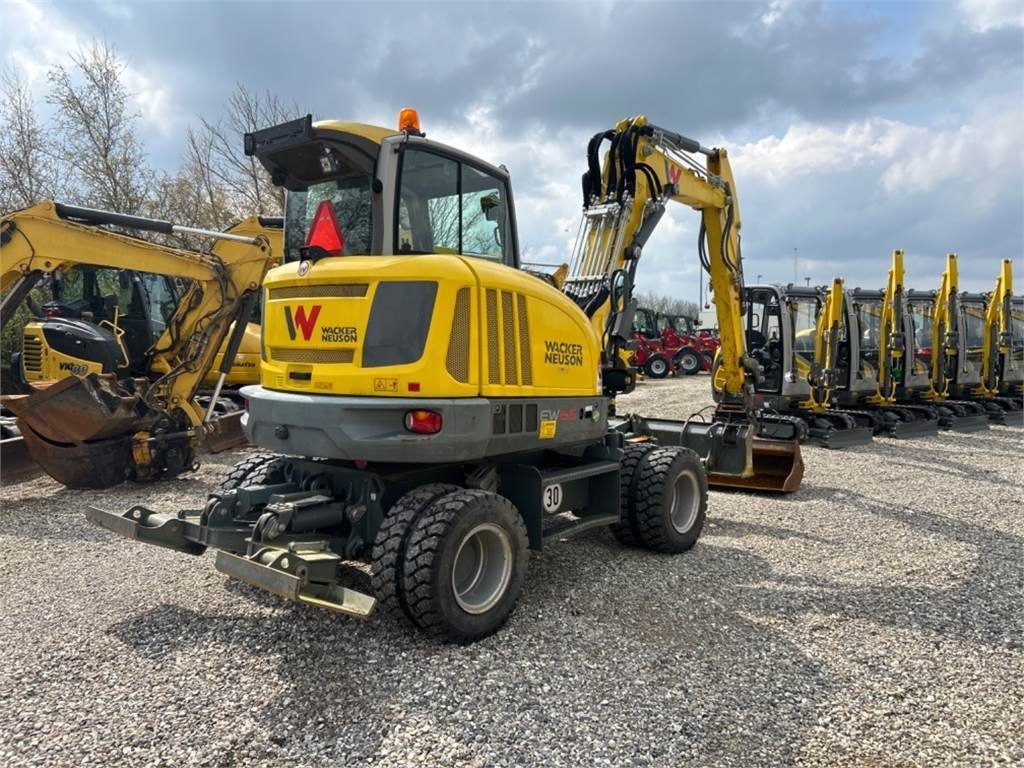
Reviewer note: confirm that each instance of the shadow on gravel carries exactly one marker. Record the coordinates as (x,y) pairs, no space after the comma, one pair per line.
(933,459)
(982,606)
(740,529)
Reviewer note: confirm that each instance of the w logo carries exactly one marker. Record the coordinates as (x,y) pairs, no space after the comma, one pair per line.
(305,322)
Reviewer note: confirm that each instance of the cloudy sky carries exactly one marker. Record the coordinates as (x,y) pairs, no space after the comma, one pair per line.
(854,128)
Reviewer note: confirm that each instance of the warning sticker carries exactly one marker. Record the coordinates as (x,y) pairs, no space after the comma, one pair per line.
(385,385)
(548,429)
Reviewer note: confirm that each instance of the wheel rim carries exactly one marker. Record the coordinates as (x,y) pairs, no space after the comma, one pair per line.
(689,362)
(685,502)
(482,568)
(657,367)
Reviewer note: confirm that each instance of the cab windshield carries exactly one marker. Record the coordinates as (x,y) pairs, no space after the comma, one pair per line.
(349,197)
(805,326)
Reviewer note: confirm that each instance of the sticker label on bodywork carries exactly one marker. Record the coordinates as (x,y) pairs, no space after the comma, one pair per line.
(548,429)
(385,385)
(552,498)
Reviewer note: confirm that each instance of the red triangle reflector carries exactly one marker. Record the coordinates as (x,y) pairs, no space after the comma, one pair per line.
(325,231)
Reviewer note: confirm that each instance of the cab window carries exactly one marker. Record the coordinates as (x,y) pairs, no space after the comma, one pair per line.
(447,206)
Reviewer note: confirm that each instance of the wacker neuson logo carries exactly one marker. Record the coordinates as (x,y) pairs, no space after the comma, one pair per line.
(305,322)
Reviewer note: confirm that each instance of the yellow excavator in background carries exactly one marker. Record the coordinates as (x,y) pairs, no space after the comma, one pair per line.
(877,351)
(800,336)
(128,405)
(987,341)
(939,337)
(435,410)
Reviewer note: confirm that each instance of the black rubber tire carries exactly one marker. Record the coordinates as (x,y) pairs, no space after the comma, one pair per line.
(625,530)
(657,367)
(688,360)
(387,558)
(654,494)
(430,558)
(708,361)
(259,469)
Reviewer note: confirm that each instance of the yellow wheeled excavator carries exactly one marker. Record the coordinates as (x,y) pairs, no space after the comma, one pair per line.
(799,335)
(435,410)
(128,405)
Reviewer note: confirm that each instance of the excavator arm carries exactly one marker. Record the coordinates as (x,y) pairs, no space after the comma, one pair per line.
(945,334)
(646,168)
(998,331)
(79,429)
(891,341)
(823,377)
(624,198)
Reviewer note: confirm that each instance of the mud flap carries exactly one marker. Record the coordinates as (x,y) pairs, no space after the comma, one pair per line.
(302,575)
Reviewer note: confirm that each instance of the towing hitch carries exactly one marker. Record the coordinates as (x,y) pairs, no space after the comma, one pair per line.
(291,567)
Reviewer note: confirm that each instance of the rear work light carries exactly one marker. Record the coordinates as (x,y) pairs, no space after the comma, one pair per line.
(325,231)
(423,422)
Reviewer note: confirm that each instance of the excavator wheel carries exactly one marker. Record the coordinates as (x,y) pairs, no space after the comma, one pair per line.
(657,367)
(260,469)
(387,559)
(688,360)
(632,455)
(465,564)
(670,500)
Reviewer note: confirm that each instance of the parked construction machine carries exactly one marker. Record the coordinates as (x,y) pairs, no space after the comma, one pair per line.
(936,322)
(694,352)
(665,345)
(877,351)
(987,340)
(1011,377)
(800,336)
(147,325)
(437,411)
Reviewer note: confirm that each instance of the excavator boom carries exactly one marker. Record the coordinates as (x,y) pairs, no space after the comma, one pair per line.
(645,168)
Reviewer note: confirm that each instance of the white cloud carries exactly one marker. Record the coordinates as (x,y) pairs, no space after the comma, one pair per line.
(45,39)
(983,15)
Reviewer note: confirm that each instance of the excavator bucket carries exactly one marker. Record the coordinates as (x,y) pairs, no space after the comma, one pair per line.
(777,466)
(79,430)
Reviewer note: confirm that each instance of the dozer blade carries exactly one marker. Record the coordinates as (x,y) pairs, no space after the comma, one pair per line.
(975,422)
(777,466)
(907,430)
(838,439)
(77,410)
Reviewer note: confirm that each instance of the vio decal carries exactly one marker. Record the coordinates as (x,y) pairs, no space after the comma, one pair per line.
(304,322)
(76,369)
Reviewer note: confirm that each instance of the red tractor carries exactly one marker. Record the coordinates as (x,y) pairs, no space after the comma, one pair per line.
(692,350)
(669,344)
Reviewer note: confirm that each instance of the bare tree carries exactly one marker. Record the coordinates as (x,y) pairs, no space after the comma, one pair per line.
(27,170)
(216,150)
(668,305)
(96,128)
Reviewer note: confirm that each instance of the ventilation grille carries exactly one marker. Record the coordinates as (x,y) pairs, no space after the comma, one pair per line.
(524,342)
(493,372)
(32,353)
(323,291)
(311,356)
(457,361)
(509,365)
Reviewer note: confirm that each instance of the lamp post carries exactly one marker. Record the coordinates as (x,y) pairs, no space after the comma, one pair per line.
(808,281)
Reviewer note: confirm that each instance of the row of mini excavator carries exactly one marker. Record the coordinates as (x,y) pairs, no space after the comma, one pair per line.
(856,363)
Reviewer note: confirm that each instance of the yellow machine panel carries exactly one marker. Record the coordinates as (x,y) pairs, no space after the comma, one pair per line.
(378,325)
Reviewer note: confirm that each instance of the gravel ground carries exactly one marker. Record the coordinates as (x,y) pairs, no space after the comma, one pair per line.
(872,618)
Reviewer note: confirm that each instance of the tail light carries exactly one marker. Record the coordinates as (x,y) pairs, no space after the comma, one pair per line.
(423,422)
